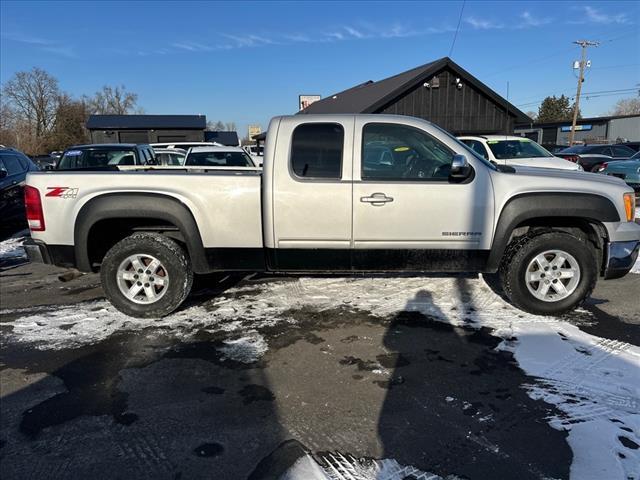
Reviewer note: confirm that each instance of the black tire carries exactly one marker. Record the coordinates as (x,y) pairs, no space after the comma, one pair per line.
(173,259)
(518,257)
(595,168)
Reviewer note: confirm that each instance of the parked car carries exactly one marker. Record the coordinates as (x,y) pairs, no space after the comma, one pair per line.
(45,162)
(14,166)
(627,170)
(592,156)
(515,151)
(218,157)
(105,156)
(319,206)
(170,156)
(186,145)
(635,146)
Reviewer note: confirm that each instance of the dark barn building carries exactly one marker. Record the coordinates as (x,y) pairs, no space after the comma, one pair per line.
(146,128)
(441,92)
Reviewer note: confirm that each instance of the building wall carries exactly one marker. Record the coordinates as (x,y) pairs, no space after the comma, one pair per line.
(597,134)
(627,128)
(460,111)
(146,136)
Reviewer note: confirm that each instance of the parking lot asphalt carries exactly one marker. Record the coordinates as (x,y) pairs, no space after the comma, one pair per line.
(181,399)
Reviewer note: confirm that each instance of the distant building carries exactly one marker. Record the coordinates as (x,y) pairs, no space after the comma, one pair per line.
(588,130)
(441,92)
(146,128)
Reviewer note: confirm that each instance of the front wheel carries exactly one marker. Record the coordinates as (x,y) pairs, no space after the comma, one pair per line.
(146,275)
(549,274)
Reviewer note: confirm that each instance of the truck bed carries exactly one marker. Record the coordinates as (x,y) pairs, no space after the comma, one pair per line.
(224,201)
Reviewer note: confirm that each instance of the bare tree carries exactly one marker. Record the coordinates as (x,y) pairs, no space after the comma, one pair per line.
(627,106)
(33,96)
(69,129)
(113,101)
(230,126)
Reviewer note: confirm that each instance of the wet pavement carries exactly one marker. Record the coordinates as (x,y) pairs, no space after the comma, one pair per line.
(154,402)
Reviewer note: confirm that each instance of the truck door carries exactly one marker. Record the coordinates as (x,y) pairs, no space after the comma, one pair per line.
(407,212)
(311,195)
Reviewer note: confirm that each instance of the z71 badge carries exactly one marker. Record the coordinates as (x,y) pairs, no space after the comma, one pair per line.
(62,192)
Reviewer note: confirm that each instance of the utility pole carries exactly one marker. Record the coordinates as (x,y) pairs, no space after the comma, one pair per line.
(576,105)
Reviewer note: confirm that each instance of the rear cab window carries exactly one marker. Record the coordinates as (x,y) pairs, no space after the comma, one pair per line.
(316,151)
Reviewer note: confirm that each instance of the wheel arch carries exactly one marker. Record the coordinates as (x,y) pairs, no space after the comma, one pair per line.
(128,209)
(562,211)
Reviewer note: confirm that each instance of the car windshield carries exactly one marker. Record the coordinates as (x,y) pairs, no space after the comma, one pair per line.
(521,148)
(219,159)
(96,157)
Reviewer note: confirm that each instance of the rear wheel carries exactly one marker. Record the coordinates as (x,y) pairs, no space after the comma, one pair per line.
(146,275)
(550,273)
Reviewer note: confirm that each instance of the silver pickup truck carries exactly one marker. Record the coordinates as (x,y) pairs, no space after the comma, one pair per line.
(338,193)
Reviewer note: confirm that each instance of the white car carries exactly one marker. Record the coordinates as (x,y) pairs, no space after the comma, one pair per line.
(515,151)
(219,157)
(185,145)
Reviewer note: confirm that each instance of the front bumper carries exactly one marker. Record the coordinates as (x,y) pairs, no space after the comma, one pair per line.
(621,256)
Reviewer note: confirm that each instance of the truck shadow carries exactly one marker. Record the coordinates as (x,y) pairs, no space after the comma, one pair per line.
(455,404)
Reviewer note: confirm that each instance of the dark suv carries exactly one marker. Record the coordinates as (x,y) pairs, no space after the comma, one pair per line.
(591,157)
(106,156)
(14,166)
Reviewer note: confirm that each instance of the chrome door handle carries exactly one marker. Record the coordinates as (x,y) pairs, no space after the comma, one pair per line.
(376,199)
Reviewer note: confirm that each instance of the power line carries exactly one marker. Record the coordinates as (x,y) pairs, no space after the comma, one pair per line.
(588,94)
(455,35)
(604,40)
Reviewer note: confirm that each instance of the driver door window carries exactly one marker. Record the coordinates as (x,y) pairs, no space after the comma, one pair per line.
(400,152)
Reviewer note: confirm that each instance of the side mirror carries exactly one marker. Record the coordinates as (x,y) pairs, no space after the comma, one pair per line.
(460,167)
(3,174)
(152,161)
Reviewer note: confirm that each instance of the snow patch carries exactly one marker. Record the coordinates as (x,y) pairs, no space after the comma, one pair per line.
(11,248)
(247,349)
(636,266)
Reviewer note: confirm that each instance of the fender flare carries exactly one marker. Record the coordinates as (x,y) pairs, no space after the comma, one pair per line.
(528,206)
(138,205)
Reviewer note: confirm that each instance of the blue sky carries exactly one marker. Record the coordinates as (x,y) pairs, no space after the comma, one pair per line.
(248,61)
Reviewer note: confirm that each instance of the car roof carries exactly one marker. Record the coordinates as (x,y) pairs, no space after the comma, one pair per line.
(216,149)
(107,145)
(185,143)
(169,150)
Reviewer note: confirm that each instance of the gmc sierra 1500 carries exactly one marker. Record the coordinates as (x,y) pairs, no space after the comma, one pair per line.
(338,193)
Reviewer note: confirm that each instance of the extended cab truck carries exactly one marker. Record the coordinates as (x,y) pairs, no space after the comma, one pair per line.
(339,193)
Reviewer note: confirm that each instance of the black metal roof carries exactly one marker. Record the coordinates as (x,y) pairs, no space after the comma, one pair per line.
(147,122)
(229,139)
(370,96)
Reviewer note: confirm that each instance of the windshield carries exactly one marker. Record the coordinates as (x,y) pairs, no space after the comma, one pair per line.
(219,159)
(96,157)
(521,148)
